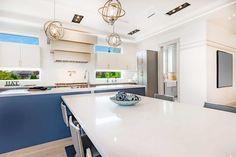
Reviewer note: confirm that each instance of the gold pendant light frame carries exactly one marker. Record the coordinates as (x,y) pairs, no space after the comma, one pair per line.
(111,11)
(114,39)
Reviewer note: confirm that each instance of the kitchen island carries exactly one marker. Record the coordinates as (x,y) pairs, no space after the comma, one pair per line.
(154,128)
(32,118)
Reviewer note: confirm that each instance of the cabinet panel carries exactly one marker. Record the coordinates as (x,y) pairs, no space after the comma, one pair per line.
(116,61)
(31,120)
(9,55)
(107,61)
(30,56)
(19,56)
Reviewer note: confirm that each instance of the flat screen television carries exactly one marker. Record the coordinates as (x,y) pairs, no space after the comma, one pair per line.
(224,69)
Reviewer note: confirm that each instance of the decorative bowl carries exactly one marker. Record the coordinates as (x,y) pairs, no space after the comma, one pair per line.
(125,103)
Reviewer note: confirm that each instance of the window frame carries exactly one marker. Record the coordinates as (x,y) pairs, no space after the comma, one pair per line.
(23,69)
(21,34)
(103,52)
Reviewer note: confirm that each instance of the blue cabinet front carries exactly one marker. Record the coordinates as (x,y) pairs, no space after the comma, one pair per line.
(30,120)
(35,119)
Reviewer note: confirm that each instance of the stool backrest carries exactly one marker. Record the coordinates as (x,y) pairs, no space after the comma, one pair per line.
(164,97)
(76,138)
(220,107)
(64,114)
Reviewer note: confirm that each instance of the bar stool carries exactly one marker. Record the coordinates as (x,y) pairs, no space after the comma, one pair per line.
(220,107)
(64,114)
(164,97)
(81,143)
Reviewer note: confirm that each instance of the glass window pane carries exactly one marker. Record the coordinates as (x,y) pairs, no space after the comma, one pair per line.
(108,74)
(19,39)
(106,49)
(19,74)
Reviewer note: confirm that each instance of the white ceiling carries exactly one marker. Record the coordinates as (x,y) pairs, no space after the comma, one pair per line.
(35,13)
(225,17)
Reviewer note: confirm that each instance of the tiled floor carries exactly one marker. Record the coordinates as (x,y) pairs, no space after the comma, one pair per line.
(51,149)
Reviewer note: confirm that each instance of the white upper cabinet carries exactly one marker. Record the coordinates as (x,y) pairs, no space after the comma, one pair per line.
(107,61)
(14,55)
(116,61)
(30,56)
(9,55)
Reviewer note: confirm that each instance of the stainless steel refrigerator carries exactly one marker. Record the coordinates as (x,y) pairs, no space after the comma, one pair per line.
(147,63)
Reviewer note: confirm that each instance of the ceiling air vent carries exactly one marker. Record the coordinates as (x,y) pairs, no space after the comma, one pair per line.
(177,9)
(77,18)
(133,32)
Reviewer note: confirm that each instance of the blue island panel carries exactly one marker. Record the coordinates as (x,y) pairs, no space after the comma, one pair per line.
(31,120)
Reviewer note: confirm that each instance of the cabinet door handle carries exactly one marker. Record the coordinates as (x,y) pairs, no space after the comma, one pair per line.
(20,63)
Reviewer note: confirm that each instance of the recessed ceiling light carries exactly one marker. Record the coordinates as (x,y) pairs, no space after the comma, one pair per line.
(133,32)
(234,15)
(177,9)
(151,15)
(77,18)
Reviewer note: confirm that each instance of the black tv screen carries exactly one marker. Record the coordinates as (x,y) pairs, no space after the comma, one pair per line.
(224,69)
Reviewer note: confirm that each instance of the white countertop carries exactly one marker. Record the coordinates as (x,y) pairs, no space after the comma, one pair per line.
(154,128)
(20,92)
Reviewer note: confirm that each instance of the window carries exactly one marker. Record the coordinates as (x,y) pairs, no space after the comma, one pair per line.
(19,74)
(106,49)
(108,74)
(4,37)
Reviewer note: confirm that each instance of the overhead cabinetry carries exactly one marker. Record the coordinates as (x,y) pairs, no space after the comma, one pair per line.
(74,47)
(13,55)
(124,59)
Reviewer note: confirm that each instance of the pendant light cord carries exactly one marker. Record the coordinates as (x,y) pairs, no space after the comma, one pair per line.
(54,10)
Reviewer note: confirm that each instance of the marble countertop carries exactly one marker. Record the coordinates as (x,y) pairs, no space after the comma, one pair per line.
(20,92)
(154,128)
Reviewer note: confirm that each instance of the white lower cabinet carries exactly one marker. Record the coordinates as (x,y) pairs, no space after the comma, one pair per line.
(14,55)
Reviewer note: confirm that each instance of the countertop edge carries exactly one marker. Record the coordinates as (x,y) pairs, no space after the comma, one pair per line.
(69,90)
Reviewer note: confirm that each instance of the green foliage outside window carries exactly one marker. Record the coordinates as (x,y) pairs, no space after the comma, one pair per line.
(108,74)
(18,75)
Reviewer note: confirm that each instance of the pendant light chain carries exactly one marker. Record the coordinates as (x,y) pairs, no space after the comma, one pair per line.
(111,12)
(54,29)
(54,10)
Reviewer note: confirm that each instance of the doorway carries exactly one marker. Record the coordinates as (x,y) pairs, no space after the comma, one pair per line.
(168,69)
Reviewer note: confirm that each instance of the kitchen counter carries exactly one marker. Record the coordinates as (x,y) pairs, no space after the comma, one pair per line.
(37,115)
(154,128)
(21,92)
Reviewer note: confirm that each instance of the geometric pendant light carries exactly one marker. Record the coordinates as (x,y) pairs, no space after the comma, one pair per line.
(53,29)
(111,11)
(114,39)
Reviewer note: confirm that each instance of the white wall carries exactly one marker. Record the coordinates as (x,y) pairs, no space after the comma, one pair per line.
(219,38)
(192,59)
(53,72)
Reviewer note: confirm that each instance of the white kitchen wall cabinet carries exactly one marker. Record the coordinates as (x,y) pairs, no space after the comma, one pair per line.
(122,61)
(9,55)
(14,55)
(30,56)
(105,61)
